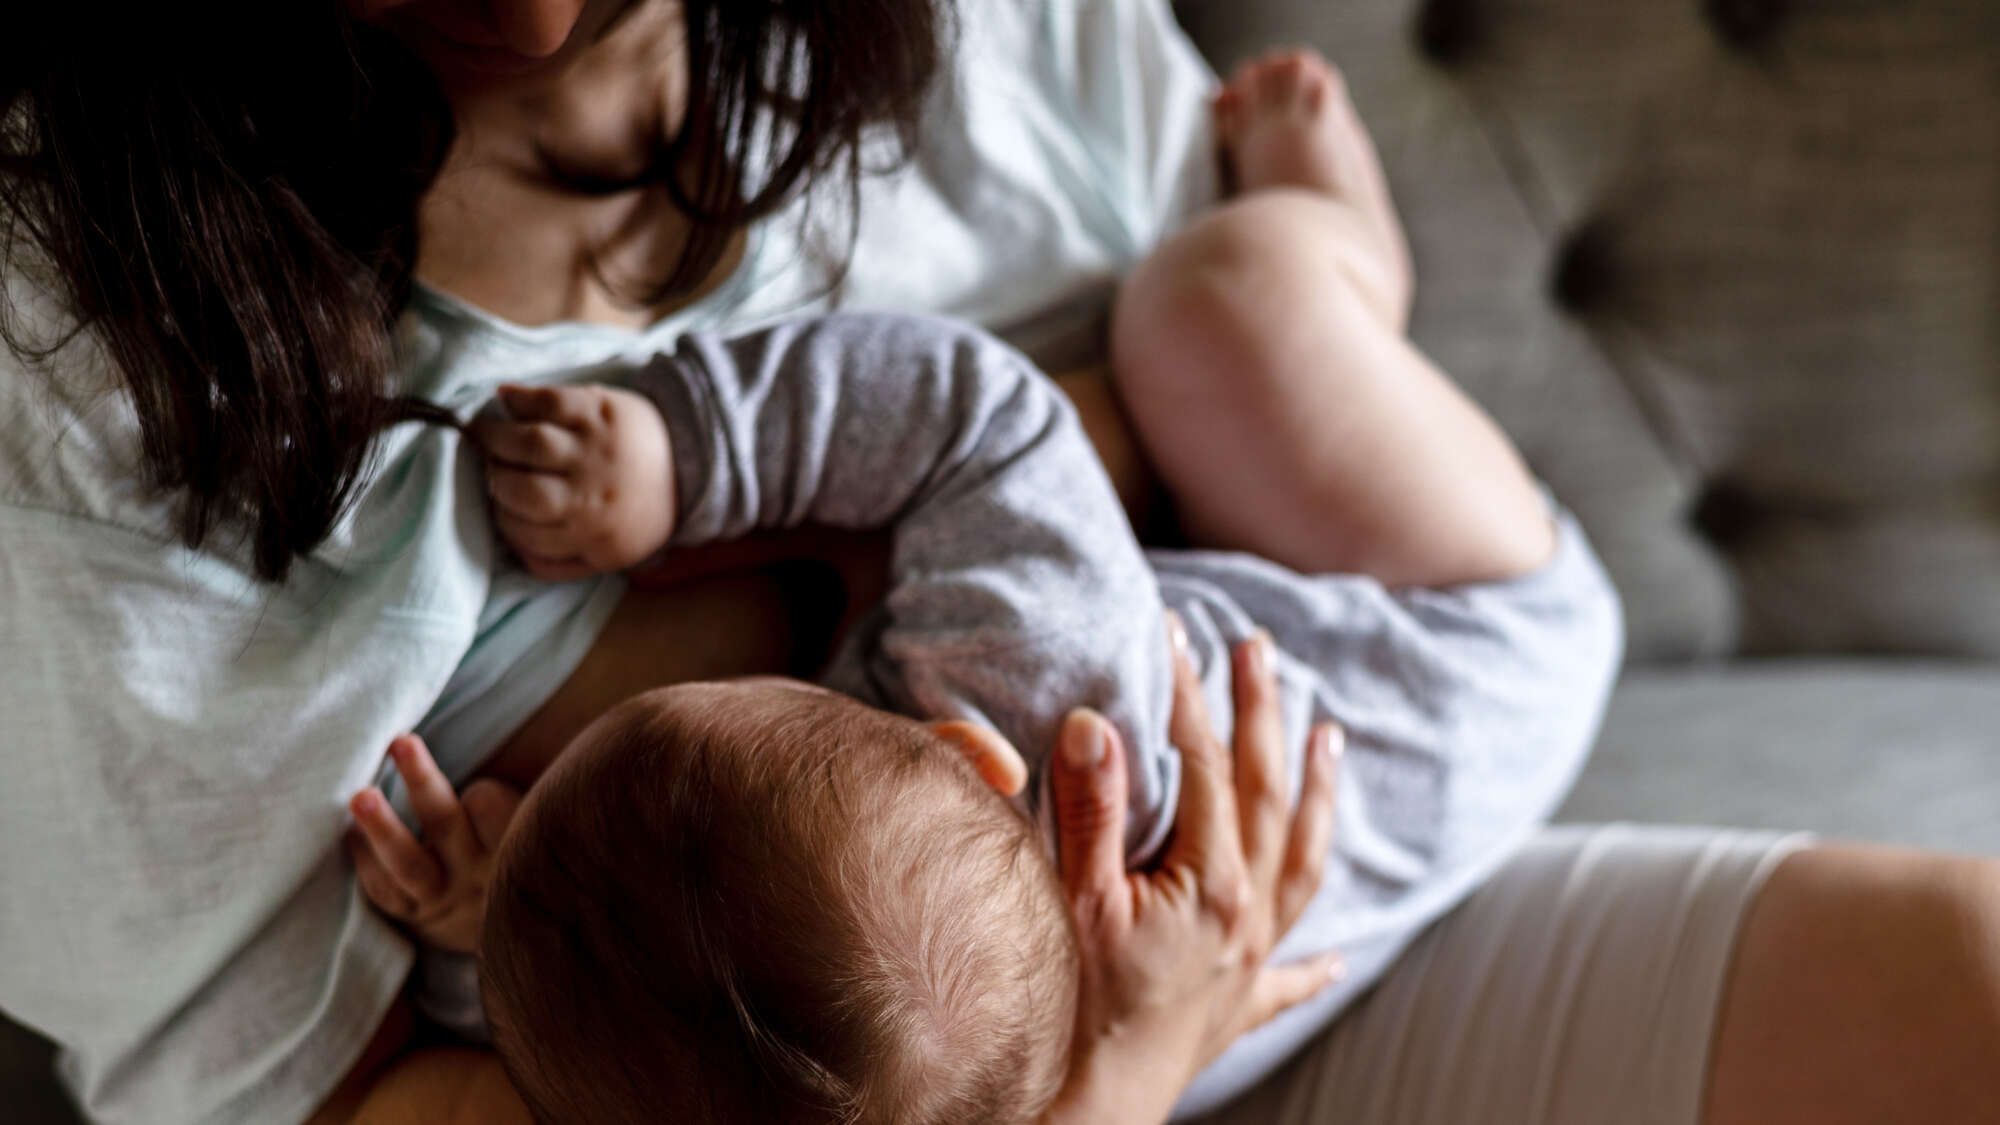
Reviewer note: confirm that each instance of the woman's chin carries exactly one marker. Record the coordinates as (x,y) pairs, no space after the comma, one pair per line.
(455,60)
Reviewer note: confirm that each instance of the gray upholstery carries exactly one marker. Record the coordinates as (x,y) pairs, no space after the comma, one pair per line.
(1901,752)
(1726,269)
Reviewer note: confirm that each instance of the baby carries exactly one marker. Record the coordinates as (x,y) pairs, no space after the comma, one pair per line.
(766,901)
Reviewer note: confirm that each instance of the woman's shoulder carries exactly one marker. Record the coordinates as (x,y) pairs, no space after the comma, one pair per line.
(69,436)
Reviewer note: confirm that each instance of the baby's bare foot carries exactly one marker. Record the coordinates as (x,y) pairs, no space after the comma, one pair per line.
(1285,121)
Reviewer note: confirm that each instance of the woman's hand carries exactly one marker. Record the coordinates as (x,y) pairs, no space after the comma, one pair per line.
(435,886)
(1173,958)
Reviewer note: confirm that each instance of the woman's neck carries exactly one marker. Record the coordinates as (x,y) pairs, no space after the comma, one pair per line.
(502,231)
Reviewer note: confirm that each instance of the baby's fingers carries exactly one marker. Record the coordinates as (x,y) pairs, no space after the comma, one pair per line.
(410,868)
(375,880)
(531,495)
(527,445)
(568,407)
(537,540)
(571,569)
(436,805)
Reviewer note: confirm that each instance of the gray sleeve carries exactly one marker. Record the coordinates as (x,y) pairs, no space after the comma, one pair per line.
(1468,711)
(1017,591)
(446,991)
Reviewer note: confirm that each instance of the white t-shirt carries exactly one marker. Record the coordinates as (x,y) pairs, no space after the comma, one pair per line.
(178,740)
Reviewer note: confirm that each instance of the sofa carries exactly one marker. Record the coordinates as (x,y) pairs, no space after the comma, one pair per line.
(1729,273)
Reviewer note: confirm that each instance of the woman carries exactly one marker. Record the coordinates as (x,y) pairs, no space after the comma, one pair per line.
(258,272)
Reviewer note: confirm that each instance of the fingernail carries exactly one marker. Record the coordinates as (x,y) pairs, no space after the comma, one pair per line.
(1083,743)
(1260,654)
(1336,970)
(1332,742)
(1177,632)
(366,801)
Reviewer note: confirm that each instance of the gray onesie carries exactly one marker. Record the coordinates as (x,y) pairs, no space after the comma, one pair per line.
(1018,592)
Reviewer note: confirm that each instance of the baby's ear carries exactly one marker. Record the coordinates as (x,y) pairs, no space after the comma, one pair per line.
(993,756)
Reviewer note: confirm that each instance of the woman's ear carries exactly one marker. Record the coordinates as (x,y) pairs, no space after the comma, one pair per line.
(993,756)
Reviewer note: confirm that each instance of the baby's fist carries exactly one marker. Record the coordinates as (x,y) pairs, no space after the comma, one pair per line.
(582,478)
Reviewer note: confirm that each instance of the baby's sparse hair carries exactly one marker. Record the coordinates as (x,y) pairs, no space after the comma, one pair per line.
(757,902)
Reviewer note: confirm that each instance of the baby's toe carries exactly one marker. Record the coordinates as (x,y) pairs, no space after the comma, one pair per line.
(1227,103)
(1279,77)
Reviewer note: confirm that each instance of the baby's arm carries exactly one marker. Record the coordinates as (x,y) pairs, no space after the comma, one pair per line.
(434,886)
(1017,588)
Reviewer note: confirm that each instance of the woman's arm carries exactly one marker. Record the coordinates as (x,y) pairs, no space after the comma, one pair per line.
(391,1038)
(434,1086)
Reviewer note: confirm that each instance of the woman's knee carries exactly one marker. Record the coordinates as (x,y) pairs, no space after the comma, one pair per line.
(1866,987)
(1860,901)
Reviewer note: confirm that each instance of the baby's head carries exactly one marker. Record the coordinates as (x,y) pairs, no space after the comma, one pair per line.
(757,901)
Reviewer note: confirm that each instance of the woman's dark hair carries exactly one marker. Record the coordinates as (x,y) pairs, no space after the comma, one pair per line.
(227,193)
(790,87)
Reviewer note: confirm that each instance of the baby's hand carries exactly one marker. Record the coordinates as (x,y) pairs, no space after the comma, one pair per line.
(582,478)
(436,887)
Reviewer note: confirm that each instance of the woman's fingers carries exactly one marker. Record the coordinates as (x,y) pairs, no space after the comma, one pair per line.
(1189,724)
(446,828)
(1311,837)
(409,865)
(1280,987)
(1262,803)
(1089,793)
(1206,837)
(527,445)
(535,497)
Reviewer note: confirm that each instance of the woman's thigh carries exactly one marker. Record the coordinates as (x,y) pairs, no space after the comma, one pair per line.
(1579,986)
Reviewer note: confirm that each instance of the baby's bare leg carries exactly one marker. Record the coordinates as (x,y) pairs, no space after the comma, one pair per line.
(1260,357)
(1286,418)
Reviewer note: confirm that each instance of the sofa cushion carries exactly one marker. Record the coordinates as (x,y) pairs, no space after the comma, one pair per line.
(1893,751)
(1728,274)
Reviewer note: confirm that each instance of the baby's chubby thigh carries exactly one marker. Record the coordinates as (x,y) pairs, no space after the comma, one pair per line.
(1287,417)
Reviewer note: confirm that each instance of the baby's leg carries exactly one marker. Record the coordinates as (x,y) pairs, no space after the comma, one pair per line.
(1260,357)
(1285,123)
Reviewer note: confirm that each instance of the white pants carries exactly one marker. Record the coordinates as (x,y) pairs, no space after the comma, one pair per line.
(1578,987)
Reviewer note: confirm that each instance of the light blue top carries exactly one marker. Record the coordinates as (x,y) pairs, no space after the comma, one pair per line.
(178,740)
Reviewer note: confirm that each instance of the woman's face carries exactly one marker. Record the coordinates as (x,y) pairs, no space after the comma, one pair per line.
(490,38)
